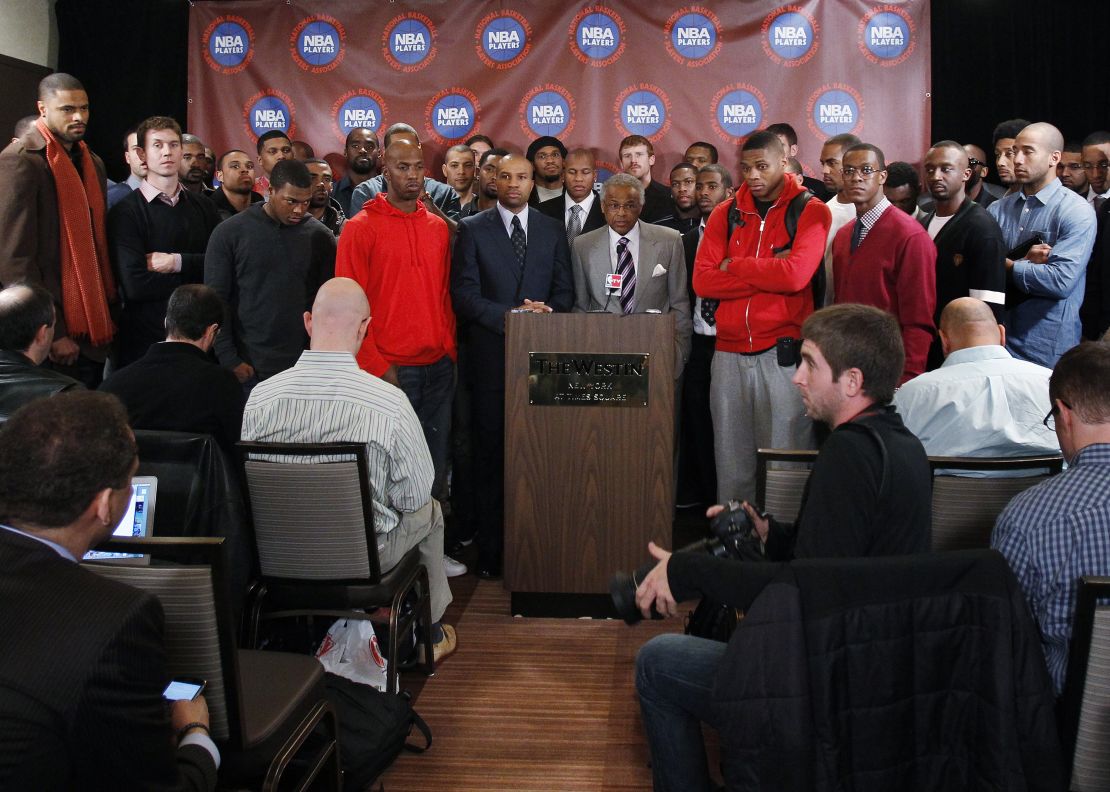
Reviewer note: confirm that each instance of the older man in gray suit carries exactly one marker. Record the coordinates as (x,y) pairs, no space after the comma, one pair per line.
(632,267)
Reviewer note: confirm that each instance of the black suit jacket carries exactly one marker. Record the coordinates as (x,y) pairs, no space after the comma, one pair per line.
(690,242)
(486,283)
(556,209)
(81,680)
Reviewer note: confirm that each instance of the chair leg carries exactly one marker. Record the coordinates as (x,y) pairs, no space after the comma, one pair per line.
(254,616)
(392,673)
(425,621)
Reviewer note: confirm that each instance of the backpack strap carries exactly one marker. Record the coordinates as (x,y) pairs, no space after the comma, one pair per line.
(423,728)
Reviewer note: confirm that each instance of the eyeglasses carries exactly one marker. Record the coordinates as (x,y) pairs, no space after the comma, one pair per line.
(1104,165)
(542,155)
(865,172)
(974,163)
(1072,166)
(613,206)
(1050,419)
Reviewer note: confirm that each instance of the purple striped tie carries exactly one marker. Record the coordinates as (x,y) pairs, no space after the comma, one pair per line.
(627,270)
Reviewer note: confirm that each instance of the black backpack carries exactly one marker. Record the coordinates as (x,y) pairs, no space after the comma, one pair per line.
(373,729)
(793,211)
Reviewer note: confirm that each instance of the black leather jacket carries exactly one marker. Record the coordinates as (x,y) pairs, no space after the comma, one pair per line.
(22,381)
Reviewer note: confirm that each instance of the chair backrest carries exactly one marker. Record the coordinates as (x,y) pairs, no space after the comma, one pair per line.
(965,507)
(312,510)
(199,636)
(780,480)
(1085,704)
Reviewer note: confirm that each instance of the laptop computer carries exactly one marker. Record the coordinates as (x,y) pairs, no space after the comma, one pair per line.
(137,522)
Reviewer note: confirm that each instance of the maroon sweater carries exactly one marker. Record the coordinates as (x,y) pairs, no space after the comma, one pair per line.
(894,269)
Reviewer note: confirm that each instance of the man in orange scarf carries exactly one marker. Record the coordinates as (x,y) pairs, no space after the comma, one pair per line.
(53,227)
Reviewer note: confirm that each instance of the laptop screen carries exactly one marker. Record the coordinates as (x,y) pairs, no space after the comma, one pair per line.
(138,521)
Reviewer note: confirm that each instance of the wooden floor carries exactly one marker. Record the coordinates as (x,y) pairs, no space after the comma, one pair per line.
(529,705)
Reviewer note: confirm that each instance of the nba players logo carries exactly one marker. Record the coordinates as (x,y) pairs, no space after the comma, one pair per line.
(362,108)
(789,36)
(834,110)
(547,110)
(886,35)
(452,115)
(597,36)
(603,172)
(267,111)
(228,44)
(692,36)
(643,109)
(316,44)
(738,111)
(408,42)
(503,39)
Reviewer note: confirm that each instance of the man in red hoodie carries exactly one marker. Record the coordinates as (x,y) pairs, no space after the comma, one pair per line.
(755,283)
(399,253)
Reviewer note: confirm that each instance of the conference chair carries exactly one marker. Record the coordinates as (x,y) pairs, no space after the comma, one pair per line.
(314,529)
(965,507)
(1084,708)
(268,710)
(779,489)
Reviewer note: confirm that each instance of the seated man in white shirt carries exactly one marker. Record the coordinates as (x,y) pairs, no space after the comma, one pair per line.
(327,398)
(982,402)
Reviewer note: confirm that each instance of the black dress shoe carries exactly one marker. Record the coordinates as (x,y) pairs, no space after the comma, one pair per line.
(489,571)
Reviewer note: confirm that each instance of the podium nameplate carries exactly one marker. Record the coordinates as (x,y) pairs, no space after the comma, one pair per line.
(587,379)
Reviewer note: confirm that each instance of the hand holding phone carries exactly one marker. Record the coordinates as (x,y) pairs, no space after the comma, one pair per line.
(184,689)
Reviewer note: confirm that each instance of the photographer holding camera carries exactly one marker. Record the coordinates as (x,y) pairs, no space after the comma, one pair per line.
(869,494)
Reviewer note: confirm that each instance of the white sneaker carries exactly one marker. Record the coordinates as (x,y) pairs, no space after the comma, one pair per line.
(452,567)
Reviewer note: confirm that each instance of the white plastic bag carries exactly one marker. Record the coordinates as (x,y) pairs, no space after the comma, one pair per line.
(350,649)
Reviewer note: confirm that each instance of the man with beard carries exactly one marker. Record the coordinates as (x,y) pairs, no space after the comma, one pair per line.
(486,197)
(546,154)
(322,206)
(686,216)
(637,156)
(1070,169)
(235,170)
(1003,141)
(978,189)
(458,170)
(579,207)
(362,153)
(1096,164)
(193,163)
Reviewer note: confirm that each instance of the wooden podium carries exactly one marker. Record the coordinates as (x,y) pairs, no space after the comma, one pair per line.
(587,485)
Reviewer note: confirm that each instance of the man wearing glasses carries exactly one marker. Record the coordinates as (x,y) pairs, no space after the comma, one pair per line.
(1096,164)
(1070,169)
(885,258)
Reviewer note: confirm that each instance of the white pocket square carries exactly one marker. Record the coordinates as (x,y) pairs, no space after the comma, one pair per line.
(659,270)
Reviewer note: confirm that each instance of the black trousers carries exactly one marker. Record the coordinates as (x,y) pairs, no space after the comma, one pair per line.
(697,470)
(488,433)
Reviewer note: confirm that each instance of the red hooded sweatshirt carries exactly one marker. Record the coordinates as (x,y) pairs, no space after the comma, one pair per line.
(402,261)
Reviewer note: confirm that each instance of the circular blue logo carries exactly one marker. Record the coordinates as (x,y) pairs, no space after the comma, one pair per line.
(887,35)
(602,174)
(359,111)
(410,41)
(318,43)
(270,113)
(503,39)
(453,116)
(229,44)
(739,113)
(693,36)
(597,36)
(836,112)
(643,113)
(790,36)
(548,113)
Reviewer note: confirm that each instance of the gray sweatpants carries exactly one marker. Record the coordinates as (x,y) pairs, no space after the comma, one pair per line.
(754,405)
(424,527)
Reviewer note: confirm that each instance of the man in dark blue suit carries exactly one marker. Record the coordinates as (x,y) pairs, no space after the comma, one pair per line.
(507,258)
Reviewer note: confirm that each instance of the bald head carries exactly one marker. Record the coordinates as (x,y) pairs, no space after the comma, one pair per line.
(1044,134)
(967,322)
(339,317)
(26,321)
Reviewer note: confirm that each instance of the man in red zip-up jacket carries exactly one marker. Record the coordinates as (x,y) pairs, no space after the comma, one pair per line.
(755,286)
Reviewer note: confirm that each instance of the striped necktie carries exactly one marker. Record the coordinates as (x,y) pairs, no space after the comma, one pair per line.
(626,268)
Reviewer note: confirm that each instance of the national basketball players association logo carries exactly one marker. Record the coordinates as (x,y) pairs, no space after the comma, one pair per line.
(228,44)
(738,110)
(886,35)
(693,37)
(547,110)
(452,115)
(362,108)
(316,44)
(834,110)
(790,36)
(643,109)
(503,39)
(602,173)
(408,42)
(267,111)
(597,35)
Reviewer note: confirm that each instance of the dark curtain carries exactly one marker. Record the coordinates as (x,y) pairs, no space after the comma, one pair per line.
(992,60)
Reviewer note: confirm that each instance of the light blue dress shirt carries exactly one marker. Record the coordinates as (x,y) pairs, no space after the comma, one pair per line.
(1046,325)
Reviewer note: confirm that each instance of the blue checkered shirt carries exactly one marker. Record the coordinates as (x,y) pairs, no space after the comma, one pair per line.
(1053,534)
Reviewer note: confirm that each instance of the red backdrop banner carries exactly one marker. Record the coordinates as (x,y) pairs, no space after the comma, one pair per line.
(587,73)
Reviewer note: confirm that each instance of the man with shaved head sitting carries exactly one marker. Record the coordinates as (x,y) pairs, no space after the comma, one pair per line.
(325,397)
(26,331)
(982,402)
(1050,232)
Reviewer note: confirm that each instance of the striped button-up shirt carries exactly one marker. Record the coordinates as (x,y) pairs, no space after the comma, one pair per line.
(327,398)
(1052,534)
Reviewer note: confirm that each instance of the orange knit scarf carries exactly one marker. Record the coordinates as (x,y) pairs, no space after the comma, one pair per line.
(87,283)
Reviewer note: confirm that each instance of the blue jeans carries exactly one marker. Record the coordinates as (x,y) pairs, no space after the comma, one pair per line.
(674,678)
(430,390)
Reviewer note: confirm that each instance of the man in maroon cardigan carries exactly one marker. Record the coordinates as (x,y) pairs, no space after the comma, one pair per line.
(885,258)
